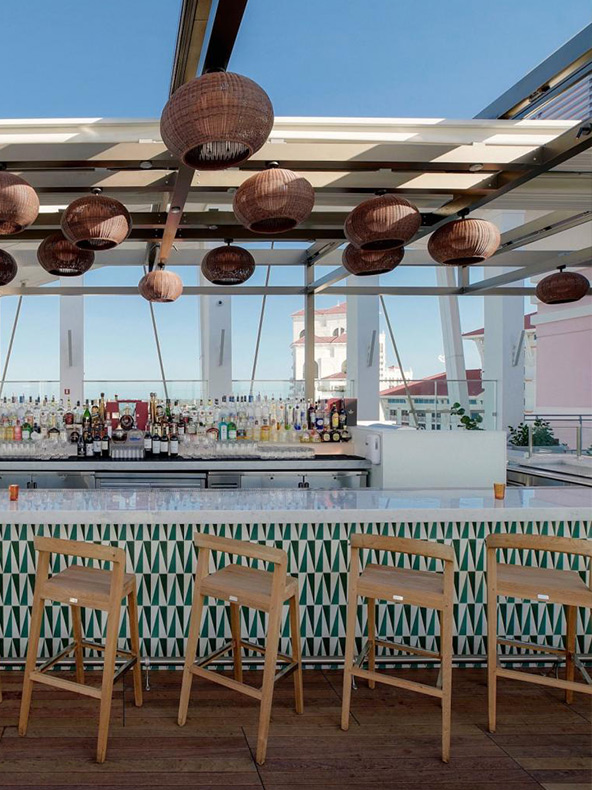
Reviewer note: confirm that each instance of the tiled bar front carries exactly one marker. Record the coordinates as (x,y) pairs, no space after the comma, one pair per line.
(314,529)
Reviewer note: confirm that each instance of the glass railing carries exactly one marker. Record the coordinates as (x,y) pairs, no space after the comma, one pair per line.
(554,433)
(433,400)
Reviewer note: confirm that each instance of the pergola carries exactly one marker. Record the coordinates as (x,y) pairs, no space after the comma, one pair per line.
(489,164)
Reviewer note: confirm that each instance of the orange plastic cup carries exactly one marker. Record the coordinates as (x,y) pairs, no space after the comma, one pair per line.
(499,490)
(13,492)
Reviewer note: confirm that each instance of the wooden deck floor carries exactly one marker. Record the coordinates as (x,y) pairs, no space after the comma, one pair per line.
(393,741)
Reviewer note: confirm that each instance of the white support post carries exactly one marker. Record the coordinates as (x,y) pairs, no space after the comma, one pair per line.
(503,347)
(363,351)
(72,343)
(456,372)
(216,344)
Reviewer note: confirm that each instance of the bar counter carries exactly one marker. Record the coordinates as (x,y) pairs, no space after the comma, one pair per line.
(156,528)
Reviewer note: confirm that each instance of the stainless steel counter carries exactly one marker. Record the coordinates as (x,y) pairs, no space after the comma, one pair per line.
(321,472)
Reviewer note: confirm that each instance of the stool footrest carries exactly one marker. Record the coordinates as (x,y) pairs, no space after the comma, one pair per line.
(125,668)
(203,662)
(407,648)
(409,685)
(529,677)
(557,651)
(285,671)
(88,644)
(66,685)
(363,654)
(258,649)
(235,685)
(57,658)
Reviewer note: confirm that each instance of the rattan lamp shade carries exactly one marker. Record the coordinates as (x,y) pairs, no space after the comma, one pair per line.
(161,285)
(562,287)
(364,263)
(60,257)
(384,222)
(8,268)
(217,120)
(273,201)
(228,265)
(19,204)
(464,241)
(96,222)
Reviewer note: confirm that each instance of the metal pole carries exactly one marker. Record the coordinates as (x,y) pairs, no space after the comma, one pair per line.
(309,337)
(399,363)
(261,315)
(9,351)
(158,351)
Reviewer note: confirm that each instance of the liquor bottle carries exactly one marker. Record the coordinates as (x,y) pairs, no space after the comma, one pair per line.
(148,440)
(27,430)
(80,449)
(88,444)
(96,441)
(223,428)
(102,411)
(105,443)
(18,432)
(334,417)
(86,417)
(155,442)
(69,414)
(174,444)
(342,416)
(164,442)
(231,428)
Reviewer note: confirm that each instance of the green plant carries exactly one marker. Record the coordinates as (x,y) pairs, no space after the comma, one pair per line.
(542,434)
(470,423)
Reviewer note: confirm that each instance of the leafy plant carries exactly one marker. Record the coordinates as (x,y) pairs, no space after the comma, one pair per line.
(542,434)
(470,423)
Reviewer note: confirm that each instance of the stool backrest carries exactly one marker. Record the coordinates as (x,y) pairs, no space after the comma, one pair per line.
(46,546)
(550,543)
(242,548)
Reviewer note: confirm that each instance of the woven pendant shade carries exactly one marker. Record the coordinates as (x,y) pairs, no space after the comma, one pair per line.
(228,265)
(96,222)
(464,241)
(161,285)
(60,257)
(19,204)
(8,268)
(217,120)
(363,263)
(382,223)
(273,201)
(562,287)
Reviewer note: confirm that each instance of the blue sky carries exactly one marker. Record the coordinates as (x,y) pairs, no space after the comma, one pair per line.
(315,57)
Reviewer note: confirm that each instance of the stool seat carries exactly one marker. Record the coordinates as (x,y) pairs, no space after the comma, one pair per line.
(84,586)
(405,585)
(245,586)
(561,586)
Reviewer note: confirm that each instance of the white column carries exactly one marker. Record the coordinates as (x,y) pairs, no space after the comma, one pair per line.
(363,351)
(503,346)
(454,354)
(216,344)
(72,343)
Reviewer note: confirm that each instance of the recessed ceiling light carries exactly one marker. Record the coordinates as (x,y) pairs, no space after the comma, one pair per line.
(175,209)
(146,165)
(476,168)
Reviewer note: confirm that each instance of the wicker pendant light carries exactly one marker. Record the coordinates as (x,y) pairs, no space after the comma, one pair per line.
(562,287)
(363,263)
(161,285)
(217,120)
(464,241)
(60,257)
(273,200)
(96,222)
(8,268)
(19,204)
(228,265)
(384,222)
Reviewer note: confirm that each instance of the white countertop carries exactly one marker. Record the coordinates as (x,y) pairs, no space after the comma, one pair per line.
(182,506)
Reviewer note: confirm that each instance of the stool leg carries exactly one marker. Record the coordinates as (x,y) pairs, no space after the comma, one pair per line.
(371,639)
(79,651)
(350,637)
(571,613)
(271,651)
(192,639)
(113,617)
(446,670)
(132,613)
(34,634)
(296,653)
(236,641)
(491,655)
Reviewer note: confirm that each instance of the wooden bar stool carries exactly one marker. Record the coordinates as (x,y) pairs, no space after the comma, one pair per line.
(563,587)
(78,586)
(402,585)
(257,589)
